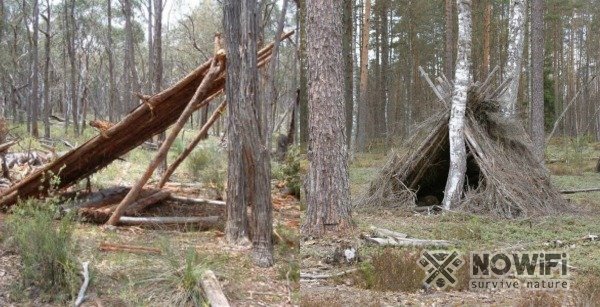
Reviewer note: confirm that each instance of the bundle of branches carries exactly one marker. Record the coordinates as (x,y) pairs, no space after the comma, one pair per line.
(503,176)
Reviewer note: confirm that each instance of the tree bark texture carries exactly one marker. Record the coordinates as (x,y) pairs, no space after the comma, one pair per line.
(537,82)
(462,80)
(363,108)
(35,88)
(514,60)
(449,45)
(348,66)
(327,190)
(248,176)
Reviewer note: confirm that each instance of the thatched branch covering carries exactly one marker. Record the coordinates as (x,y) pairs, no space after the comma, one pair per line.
(503,179)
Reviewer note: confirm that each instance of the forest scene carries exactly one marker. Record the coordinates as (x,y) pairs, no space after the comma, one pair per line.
(299,153)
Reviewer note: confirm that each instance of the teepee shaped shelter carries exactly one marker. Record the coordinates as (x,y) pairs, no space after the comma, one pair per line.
(503,176)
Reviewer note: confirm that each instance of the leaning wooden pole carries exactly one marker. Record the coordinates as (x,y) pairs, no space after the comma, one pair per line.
(217,66)
(213,118)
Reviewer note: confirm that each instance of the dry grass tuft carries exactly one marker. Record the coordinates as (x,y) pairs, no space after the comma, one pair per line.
(397,270)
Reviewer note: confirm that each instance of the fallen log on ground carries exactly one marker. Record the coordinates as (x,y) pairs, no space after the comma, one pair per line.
(151,117)
(202,221)
(101,214)
(33,158)
(407,242)
(101,198)
(6,146)
(196,201)
(579,191)
(109,247)
(385,237)
(326,276)
(212,290)
(382,232)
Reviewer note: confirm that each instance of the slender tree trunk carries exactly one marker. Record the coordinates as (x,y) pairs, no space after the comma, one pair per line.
(157,65)
(151,20)
(462,80)
(303,114)
(327,190)
(271,93)
(516,38)
(132,82)
(112,94)
(70,36)
(537,66)
(363,109)
(347,51)
(47,102)
(35,95)
(449,46)
(248,159)
(487,23)
(384,69)
(2,18)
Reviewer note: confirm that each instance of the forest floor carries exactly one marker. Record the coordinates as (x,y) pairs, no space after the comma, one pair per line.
(387,276)
(128,279)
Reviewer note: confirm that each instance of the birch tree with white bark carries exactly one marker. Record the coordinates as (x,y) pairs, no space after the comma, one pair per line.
(462,81)
(514,59)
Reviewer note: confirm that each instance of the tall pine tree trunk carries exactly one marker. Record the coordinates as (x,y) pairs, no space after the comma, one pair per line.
(347,47)
(327,190)
(537,82)
(35,97)
(112,94)
(462,80)
(303,89)
(487,23)
(47,103)
(363,108)
(70,36)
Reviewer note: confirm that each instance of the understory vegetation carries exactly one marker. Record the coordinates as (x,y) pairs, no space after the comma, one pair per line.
(47,250)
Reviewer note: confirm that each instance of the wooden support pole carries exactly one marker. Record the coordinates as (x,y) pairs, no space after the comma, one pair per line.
(213,118)
(215,69)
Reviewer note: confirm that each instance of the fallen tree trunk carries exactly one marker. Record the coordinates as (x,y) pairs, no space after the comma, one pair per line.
(149,118)
(579,191)
(101,211)
(212,290)
(196,201)
(326,276)
(109,247)
(202,221)
(407,242)
(6,146)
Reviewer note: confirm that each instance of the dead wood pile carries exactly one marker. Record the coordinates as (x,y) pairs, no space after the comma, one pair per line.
(154,115)
(503,177)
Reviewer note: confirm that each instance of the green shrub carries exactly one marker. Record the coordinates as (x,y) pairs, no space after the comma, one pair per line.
(291,170)
(46,248)
(208,166)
